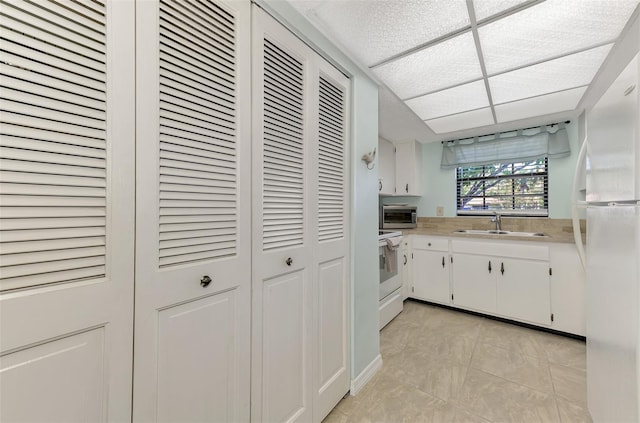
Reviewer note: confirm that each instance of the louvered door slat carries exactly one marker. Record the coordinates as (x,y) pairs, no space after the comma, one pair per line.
(80,22)
(50,39)
(207,29)
(187,75)
(198,168)
(53,149)
(331,161)
(183,31)
(64,27)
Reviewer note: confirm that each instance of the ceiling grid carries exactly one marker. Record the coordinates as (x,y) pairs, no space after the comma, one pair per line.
(464,64)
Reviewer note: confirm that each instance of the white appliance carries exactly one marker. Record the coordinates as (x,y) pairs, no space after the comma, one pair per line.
(613,251)
(390,304)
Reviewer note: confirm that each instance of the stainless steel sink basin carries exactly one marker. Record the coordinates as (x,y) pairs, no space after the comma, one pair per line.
(494,232)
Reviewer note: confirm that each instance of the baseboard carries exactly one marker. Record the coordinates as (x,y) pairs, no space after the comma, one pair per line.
(366,375)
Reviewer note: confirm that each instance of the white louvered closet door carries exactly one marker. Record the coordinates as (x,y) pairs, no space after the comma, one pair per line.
(331,238)
(66,210)
(193,265)
(282,278)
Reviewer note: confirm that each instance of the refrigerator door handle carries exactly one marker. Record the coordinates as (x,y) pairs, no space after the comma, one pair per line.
(575,204)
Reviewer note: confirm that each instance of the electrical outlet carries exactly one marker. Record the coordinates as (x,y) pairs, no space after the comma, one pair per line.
(440,211)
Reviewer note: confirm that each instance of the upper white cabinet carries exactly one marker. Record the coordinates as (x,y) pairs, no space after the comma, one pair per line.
(387,167)
(408,168)
(400,168)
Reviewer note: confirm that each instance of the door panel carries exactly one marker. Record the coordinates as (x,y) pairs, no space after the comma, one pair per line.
(65,378)
(187,348)
(193,210)
(331,321)
(66,211)
(285,347)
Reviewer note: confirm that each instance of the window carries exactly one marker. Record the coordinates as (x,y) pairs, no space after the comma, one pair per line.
(519,188)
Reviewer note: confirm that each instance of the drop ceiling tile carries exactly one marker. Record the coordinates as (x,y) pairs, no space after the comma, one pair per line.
(550,29)
(447,102)
(443,65)
(375,30)
(539,106)
(459,122)
(547,77)
(487,8)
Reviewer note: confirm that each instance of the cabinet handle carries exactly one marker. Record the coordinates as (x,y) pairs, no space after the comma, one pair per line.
(489,266)
(405,259)
(205,281)
(443,262)
(379,185)
(502,268)
(289,261)
(406,187)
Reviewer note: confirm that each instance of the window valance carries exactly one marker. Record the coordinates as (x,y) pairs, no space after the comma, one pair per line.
(501,148)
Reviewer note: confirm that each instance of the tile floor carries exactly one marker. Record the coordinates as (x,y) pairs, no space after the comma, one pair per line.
(443,366)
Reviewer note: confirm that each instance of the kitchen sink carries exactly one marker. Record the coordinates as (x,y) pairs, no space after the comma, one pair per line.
(494,232)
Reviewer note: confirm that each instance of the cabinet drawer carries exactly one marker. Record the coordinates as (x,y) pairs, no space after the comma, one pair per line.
(430,243)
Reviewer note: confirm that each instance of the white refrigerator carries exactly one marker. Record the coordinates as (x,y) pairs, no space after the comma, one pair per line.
(613,251)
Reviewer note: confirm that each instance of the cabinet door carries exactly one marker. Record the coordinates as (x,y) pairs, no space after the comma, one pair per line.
(387,163)
(404,169)
(431,281)
(474,281)
(193,257)
(523,290)
(66,210)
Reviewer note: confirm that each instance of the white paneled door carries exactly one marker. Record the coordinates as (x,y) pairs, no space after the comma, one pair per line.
(192,316)
(66,210)
(300,363)
(330,189)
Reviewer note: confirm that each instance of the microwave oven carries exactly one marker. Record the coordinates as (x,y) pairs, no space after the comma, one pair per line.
(398,217)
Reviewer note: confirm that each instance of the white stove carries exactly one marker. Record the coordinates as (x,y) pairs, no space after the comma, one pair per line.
(389,253)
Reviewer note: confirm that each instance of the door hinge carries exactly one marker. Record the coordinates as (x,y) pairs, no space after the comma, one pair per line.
(451,297)
(552,317)
(451,259)
(550,272)
(412,290)
(412,255)
(395,150)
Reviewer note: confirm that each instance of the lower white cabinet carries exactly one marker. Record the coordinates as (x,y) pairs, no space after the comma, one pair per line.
(509,279)
(430,266)
(474,282)
(522,290)
(531,282)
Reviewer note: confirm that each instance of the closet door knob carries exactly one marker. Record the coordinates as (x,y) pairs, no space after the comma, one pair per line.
(205,281)
(289,261)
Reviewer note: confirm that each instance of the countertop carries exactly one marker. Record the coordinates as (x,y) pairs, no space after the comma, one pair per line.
(556,230)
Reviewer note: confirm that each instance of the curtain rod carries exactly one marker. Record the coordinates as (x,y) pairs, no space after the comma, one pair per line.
(506,132)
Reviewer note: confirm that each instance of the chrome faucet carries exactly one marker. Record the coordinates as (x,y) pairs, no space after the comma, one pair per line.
(498,220)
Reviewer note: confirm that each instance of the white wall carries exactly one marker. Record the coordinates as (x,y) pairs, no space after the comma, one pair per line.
(439,186)
(365,343)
